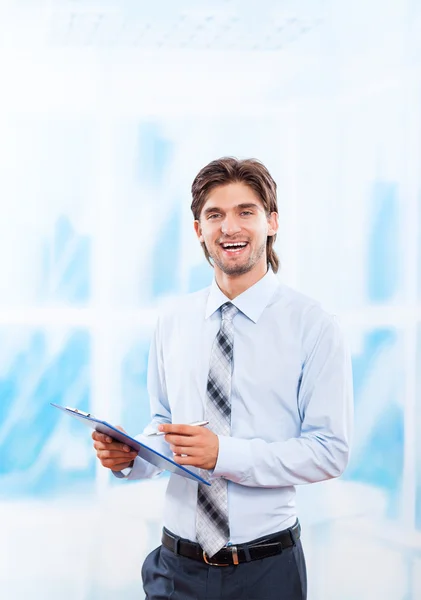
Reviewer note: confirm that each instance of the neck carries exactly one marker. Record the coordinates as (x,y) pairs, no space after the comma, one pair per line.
(234,285)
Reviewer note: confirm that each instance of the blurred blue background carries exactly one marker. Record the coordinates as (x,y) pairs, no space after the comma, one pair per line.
(108,110)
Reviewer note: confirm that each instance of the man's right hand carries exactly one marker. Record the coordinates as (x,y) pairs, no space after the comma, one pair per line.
(112,454)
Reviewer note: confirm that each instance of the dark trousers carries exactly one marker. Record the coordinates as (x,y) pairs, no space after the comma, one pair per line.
(167,576)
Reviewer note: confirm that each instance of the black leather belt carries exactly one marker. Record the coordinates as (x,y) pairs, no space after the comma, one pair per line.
(233,555)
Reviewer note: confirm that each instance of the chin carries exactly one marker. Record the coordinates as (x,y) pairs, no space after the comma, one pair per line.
(240,269)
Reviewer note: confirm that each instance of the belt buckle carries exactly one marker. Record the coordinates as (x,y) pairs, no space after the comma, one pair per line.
(234,558)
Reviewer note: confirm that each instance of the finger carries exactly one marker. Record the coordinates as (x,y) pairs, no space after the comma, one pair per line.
(178,429)
(179,440)
(102,446)
(113,446)
(114,454)
(187,450)
(191,461)
(101,437)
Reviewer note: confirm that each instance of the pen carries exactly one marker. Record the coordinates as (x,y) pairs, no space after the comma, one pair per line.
(195,424)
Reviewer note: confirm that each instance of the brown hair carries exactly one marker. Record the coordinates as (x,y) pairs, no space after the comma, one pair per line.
(227,170)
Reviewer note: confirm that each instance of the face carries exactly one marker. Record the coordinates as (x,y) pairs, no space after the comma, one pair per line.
(234,227)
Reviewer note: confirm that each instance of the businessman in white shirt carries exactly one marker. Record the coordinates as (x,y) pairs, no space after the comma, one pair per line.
(268,368)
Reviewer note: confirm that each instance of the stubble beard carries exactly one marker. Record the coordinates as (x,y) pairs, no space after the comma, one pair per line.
(239,269)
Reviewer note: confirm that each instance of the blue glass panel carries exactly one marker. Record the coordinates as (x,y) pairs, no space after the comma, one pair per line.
(42,453)
(66,265)
(377,456)
(383,243)
(200,276)
(155,153)
(418,437)
(166,256)
(135,411)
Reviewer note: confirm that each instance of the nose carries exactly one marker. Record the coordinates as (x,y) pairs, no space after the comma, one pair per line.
(230,225)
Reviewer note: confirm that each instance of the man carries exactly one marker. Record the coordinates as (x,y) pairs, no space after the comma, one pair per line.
(268,368)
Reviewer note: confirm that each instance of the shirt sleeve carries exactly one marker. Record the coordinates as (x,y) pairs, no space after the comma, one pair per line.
(160,412)
(325,401)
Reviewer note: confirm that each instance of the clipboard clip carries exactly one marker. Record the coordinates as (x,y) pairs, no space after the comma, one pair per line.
(79,412)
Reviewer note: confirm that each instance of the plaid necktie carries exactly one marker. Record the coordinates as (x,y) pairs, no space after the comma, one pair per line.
(212,527)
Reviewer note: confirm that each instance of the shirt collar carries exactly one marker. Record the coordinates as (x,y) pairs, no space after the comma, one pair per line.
(252,302)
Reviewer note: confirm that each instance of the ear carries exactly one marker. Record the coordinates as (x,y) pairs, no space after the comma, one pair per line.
(198,231)
(273,223)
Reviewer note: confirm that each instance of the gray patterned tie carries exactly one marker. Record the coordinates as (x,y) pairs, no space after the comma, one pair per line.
(212,527)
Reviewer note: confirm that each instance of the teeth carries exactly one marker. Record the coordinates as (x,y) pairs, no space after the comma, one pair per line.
(235,245)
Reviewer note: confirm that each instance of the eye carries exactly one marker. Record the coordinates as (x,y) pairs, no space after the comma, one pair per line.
(246,213)
(213,216)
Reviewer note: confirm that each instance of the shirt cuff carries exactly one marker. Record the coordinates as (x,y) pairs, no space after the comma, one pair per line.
(233,457)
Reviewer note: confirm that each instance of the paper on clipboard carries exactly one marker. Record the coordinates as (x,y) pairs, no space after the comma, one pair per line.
(145,452)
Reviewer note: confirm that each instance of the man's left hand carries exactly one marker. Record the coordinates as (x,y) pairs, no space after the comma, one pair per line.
(192,445)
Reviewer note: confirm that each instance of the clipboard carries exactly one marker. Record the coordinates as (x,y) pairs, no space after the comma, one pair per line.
(145,452)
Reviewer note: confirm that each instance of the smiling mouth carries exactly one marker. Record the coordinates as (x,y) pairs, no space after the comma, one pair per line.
(234,247)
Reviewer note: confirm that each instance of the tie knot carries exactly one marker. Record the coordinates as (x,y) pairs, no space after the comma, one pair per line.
(228,311)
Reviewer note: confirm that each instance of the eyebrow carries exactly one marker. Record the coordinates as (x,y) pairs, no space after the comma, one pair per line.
(241,206)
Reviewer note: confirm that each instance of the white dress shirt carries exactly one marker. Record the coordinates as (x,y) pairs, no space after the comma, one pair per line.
(291,402)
